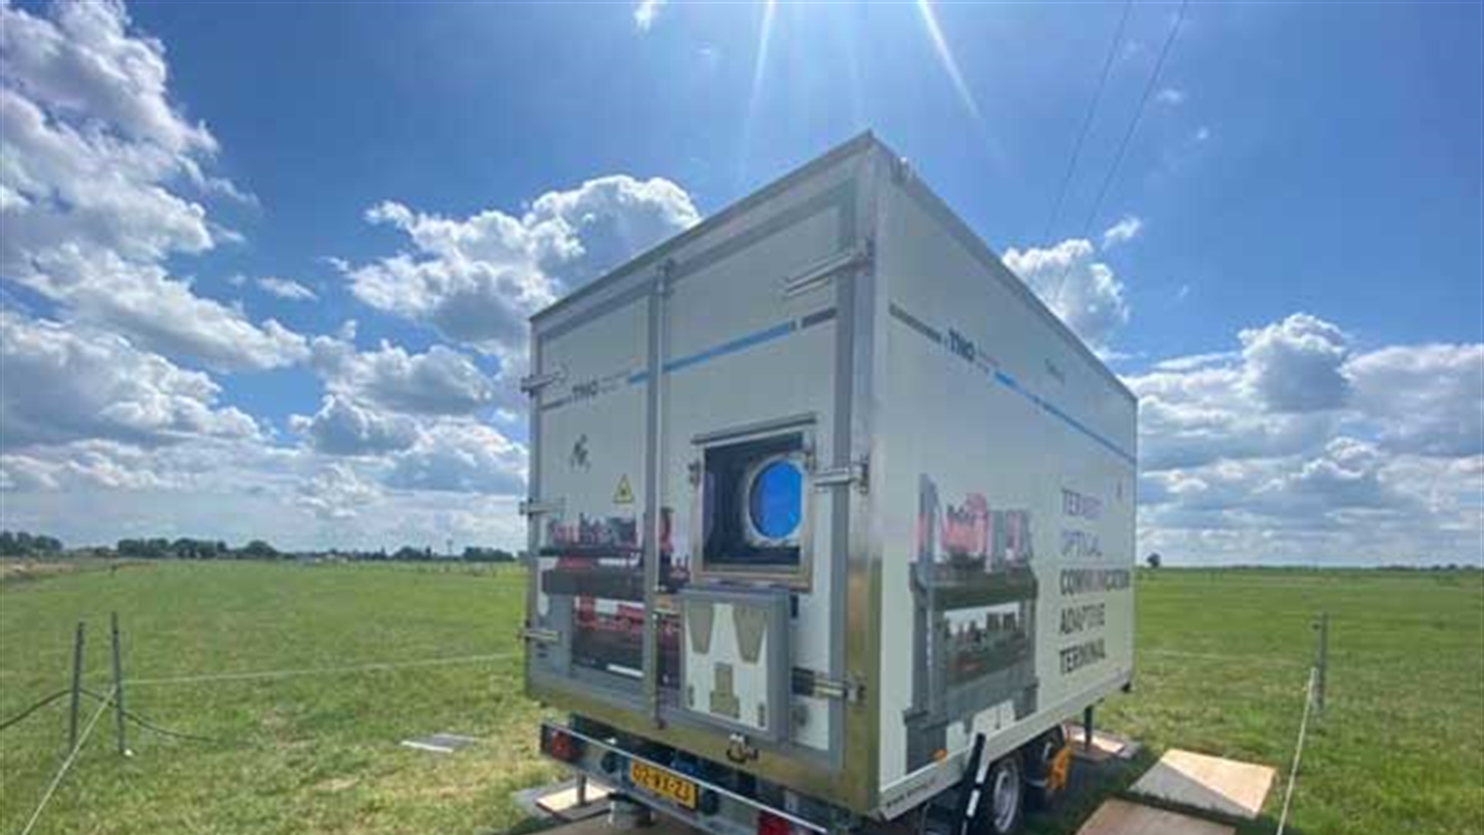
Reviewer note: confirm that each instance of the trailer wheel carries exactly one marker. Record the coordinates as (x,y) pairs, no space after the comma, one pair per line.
(1047,760)
(1001,805)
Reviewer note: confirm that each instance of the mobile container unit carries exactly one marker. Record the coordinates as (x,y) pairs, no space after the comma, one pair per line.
(827,510)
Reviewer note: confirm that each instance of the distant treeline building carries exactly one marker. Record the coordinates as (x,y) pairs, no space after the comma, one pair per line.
(23,544)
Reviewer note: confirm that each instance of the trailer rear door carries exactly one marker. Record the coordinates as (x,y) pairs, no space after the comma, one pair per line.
(691,483)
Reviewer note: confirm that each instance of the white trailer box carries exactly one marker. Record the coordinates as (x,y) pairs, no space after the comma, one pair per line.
(825,508)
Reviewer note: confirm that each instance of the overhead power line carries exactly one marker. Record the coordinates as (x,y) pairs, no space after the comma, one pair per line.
(252,675)
(1133,125)
(1128,136)
(1087,120)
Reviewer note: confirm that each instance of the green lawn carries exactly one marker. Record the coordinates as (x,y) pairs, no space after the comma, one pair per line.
(1222,664)
(298,754)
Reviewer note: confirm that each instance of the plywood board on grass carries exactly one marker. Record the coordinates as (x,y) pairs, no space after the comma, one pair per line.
(1198,781)
(1120,817)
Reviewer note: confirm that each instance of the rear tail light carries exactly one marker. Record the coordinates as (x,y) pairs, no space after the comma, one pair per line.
(770,824)
(561,745)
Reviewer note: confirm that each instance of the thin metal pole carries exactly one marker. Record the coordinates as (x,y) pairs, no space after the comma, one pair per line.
(76,687)
(118,683)
(1087,727)
(1322,662)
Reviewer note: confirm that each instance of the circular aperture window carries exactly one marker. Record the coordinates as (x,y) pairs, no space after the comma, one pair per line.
(775,502)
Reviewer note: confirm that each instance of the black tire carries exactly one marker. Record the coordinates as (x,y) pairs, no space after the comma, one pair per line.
(1040,755)
(1002,805)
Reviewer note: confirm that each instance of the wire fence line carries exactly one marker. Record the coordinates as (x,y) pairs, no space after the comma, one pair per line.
(1298,750)
(107,699)
(35,706)
(1251,658)
(51,788)
(251,675)
(373,666)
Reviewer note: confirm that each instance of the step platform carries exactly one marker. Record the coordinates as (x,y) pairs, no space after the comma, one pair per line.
(1105,746)
(1212,784)
(565,802)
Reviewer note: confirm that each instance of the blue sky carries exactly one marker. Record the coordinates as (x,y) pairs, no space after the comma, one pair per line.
(1288,266)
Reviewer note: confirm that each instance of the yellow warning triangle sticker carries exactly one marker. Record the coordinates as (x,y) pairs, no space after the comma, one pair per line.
(624,494)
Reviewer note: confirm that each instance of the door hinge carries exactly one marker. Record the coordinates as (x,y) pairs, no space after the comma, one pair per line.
(819,273)
(533,383)
(536,507)
(856,473)
(540,636)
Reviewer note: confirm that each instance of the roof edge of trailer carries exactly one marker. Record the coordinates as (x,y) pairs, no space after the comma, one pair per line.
(656,254)
(920,190)
(914,185)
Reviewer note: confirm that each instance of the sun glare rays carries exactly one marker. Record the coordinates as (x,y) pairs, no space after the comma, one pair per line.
(945,57)
(754,96)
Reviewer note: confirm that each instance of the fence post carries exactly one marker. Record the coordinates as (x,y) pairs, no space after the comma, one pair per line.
(118,684)
(76,687)
(1321,661)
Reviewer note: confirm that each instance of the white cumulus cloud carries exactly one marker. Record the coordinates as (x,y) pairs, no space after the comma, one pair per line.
(440,381)
(1123,231)
(64,384)
(1296,365)
(96,182)
(1171,96)
(286,288)
(645,13)
(1077,287)
(338,492)
(463,457)
(477,279)
(1427,399)
(1301,448)
(345,427)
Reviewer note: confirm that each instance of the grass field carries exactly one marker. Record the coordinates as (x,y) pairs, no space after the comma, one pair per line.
(1222,661)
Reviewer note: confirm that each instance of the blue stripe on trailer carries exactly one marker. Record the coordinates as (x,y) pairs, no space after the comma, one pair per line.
(741,343)
(1006,381)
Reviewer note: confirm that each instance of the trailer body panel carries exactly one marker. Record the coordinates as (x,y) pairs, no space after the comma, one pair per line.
(1005,499)
(819,491)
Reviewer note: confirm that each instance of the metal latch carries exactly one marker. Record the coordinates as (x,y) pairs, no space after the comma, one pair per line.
(818,685)
(536,507)
(540,636)
(819,273)
(533,383)
(854,473)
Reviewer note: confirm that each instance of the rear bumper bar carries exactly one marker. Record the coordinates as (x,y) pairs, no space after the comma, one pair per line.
(719,810)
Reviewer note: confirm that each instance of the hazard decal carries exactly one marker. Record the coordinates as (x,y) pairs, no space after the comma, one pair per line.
(623,494)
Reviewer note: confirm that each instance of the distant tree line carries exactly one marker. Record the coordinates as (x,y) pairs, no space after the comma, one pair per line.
(408,553)
(23,544)
(185,548)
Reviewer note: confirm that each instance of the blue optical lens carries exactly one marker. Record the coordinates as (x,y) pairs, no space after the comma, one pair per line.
(775,501)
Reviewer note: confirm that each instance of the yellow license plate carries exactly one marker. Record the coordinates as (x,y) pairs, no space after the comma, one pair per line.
(663,784)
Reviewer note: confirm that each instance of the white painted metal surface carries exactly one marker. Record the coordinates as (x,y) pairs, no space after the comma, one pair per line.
(964,554)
